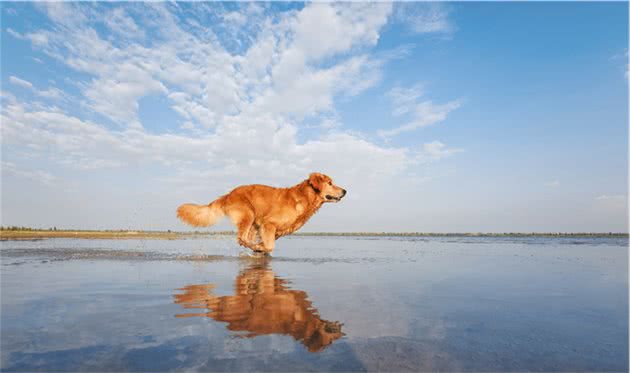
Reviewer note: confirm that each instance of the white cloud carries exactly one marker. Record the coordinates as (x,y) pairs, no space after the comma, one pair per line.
(324,29)
(329,123)
(118,99)
(404,99)
(119,22)
(623,57)
(87,145)
(311,91)
(407,102)
(190,109)
(246,99)
(38,39)
(20,82)
(235,19)
(436,150)
(14,33)
(278,73)
(38,176)
(238,149)
(425,17)
(50,93)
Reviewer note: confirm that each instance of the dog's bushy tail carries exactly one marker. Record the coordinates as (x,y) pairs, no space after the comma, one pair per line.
(201,215)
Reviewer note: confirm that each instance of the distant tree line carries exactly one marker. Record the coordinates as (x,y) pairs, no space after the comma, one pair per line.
(168,231)
(16,228)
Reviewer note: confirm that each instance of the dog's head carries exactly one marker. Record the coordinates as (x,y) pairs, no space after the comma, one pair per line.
(325,188)
(323,335)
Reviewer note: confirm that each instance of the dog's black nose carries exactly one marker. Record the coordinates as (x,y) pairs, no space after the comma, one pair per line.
(344,192)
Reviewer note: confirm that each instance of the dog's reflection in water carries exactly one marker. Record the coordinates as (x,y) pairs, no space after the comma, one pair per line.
(262,304)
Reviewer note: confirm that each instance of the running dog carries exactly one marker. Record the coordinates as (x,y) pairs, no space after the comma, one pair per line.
(263,213)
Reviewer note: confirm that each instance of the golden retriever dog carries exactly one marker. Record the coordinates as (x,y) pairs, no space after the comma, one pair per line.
(263,213)
(262,304)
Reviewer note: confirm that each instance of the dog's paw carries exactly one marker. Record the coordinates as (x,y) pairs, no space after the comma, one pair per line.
(253,254)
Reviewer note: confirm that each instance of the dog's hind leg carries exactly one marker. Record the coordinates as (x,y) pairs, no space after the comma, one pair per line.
(268,235)
(254,234)
(244,222)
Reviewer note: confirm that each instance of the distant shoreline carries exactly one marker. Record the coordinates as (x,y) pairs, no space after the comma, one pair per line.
(30,234)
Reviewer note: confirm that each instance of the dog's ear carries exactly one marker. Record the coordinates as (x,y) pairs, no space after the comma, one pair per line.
(316,180)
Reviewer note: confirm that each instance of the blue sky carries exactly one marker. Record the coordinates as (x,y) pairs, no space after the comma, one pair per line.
(434,116)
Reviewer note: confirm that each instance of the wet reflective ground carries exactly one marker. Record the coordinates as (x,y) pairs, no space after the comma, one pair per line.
(320,304)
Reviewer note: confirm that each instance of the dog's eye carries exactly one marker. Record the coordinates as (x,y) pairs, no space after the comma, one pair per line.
(330,183)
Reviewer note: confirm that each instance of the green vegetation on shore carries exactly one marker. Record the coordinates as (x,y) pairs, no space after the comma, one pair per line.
(26,233)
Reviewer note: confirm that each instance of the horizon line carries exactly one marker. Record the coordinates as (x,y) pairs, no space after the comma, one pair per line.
(315,233)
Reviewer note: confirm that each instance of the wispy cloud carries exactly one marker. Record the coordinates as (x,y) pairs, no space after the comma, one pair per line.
(123,25)
(404,99)
(37,38)
(425,17)
(614,197)
(20,82)
(50,93)
(436,150)
(11,11)
(408,102)
(626,61)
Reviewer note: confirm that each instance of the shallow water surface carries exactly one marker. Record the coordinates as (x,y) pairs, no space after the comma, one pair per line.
(321,303)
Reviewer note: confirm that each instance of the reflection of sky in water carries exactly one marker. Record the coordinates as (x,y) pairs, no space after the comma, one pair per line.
(428,304)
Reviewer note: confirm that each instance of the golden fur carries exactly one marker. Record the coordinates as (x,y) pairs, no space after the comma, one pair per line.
(262,304)
(262,213)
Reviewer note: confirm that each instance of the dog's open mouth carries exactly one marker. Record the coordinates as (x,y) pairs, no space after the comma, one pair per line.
(332,198)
